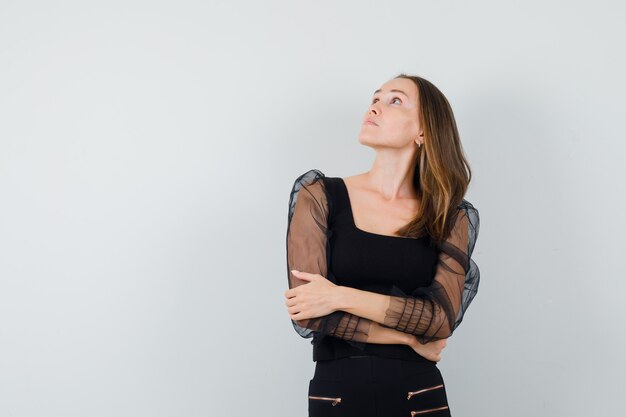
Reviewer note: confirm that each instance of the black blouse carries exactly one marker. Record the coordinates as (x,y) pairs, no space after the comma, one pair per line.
(430,285)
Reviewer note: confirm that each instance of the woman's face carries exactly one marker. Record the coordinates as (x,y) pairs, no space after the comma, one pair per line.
(394,109)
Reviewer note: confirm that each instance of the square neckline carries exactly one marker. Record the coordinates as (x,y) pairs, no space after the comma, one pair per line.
(353,223)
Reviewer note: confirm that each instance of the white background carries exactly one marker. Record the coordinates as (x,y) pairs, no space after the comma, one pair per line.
(147,151)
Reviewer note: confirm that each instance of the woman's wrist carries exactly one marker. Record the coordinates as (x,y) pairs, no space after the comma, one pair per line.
(410,340)
(340,301)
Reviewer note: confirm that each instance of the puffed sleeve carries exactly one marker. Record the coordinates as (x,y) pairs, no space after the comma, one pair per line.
(307,250)
(433,312)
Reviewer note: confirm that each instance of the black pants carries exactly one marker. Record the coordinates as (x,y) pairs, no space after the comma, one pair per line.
(370,386)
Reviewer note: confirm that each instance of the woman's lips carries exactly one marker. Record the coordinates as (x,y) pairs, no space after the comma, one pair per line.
(369,122)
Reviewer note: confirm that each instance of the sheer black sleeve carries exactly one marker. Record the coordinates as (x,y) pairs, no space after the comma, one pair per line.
(307,250)
(433,312)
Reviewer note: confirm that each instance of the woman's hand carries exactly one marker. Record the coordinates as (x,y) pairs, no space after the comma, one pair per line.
(431,350)
(316,298)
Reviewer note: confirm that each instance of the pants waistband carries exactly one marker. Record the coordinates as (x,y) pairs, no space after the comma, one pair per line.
(370,368)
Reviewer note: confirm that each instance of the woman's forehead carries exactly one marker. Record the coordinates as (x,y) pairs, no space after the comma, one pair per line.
(406,86)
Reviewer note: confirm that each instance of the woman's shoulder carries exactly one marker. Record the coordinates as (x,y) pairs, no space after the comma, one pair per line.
(468,209)
(311,189)
(310,176)
(314,181)
(313,175)
(471,218)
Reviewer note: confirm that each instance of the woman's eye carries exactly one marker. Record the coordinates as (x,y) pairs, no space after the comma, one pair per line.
(398,98)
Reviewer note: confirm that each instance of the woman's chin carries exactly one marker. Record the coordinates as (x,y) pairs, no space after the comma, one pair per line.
(367,139)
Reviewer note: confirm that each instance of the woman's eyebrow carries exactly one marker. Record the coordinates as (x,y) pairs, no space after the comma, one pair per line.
(392,91)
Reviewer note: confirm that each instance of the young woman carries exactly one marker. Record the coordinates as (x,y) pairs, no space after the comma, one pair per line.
(379,264)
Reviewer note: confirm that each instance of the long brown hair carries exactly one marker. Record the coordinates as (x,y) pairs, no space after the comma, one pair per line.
(442,173)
